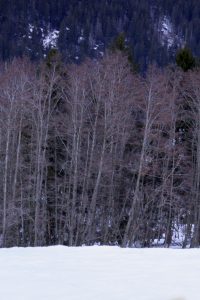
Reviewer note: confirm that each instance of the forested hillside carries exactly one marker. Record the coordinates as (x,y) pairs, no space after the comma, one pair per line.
(154,28)
(94,151)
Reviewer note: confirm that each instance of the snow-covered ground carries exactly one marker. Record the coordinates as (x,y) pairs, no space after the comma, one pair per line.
(99,273)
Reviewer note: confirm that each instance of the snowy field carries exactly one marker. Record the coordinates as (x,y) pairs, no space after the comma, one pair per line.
(99,273)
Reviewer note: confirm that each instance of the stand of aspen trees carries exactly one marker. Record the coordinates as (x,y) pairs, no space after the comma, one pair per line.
(93,153)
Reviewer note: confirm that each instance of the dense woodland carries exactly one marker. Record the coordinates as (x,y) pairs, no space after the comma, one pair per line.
(97,153)
(98,22)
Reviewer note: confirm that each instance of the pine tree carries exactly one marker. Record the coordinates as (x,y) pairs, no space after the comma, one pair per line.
(120,44)
(185,59)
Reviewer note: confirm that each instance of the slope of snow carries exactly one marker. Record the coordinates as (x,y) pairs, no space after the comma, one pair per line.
(99,273)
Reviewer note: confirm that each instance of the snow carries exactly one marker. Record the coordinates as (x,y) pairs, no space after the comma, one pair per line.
(81,39)
(30,31)
(50,40)
(100,273)
(167,31)
(168,34)
(31,28)
(179,237)
(96,47)
(49,37)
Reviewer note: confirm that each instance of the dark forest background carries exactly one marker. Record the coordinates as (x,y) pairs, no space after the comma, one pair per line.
(99,22)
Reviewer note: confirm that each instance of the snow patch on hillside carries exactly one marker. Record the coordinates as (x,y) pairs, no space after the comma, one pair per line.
(108,273)
(49,37)
(50,40)
(168,35)
(30,30)
(167,32)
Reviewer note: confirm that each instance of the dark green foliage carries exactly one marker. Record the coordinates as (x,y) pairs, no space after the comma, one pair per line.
(185,59)
(120,44)
(53,58)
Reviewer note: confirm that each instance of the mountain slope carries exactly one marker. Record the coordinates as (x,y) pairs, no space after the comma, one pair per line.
(154,29)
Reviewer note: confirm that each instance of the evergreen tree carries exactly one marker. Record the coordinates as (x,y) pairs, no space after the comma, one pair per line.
(185,59)
(120,44)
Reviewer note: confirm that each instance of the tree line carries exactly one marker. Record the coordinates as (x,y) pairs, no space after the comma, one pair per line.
(97,153)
